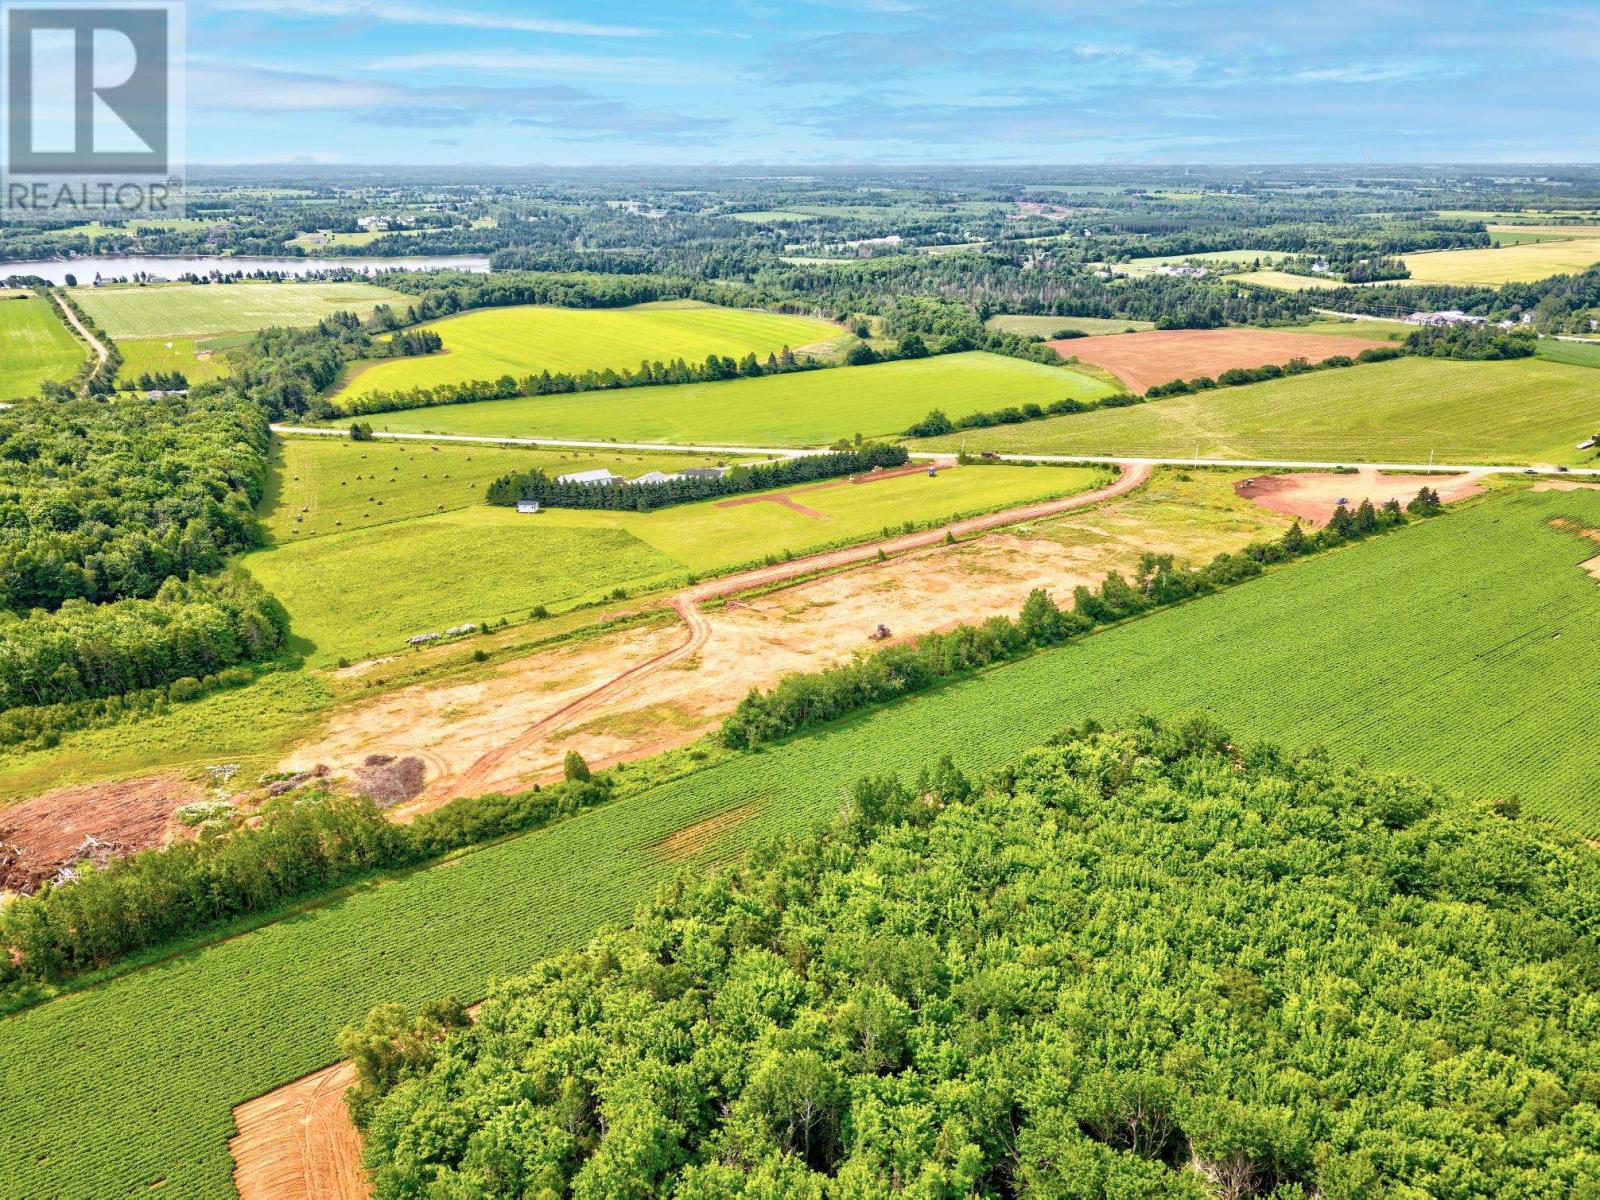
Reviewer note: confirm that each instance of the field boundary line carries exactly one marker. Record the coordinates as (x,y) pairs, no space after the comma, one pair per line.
(479,439)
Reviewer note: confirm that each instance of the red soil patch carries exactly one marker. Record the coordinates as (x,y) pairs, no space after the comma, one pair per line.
(42,835)
(1144,360)
(298,1142)
(787,499)
(781,498)
(1313,495)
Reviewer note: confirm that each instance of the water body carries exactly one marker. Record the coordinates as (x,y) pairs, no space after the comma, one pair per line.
(160,266)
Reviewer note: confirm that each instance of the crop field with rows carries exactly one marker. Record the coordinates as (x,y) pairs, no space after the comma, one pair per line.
(193,310)
(129,1085)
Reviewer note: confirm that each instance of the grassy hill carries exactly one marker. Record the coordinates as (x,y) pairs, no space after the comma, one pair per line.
(808,408)
(1403,652)
(528,339)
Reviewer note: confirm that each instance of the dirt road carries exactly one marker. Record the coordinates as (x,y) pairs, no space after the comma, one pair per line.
(95,343)
(685,604)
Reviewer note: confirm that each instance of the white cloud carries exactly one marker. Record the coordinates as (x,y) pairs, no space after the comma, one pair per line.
(426,14)
(622,69)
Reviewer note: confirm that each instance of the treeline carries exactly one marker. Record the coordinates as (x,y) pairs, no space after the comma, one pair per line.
(936,423)
(802,701)
(161,381)
(1474,342)
(302,846)
(644,497)
(1559,304)
(104,502)
(1239,376)
(188,630)
(408,343)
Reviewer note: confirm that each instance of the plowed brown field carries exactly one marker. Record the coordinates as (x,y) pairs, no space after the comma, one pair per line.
(1144,360)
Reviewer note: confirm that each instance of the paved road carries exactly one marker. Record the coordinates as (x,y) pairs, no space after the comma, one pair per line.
(560,443)
(1289,464)
(1293,464)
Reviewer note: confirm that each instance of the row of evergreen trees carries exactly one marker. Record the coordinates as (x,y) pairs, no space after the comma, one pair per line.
(644,497)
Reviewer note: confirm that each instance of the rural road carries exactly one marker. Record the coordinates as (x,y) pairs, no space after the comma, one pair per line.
(473,439)
(1072,459)
(83,331)
(686,602)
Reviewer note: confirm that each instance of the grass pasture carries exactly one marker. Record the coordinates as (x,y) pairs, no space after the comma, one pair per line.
(490,342)
(321,486)
(1522,263)
(199,362)
(802,409)
(480,564)
(1408,410)
(1047,327)
(1283,280)
(108,1095)
(194,310)
(35,345)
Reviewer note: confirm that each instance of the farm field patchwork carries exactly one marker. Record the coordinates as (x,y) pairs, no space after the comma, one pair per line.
(193,310)
(482,563)
(1508,264)
(324,485)
(1144,360)
(35,345)
(1521,411)
(198,362)
(808,408)
(1036,326)
(109,1094)
(490,342)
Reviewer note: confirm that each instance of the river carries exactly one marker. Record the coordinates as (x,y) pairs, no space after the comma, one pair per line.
(161,266)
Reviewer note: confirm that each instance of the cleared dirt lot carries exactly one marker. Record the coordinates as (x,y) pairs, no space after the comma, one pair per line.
(42,835)
(1144,360)
(1313,495)
(641,691)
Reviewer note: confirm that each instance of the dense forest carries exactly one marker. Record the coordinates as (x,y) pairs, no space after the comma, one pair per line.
(1146,963)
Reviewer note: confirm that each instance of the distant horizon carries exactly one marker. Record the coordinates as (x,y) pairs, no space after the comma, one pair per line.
(1019,82)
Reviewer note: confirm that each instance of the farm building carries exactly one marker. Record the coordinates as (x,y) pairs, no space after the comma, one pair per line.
(602,476)
(704,472)
(527,506)
(657,477)
(1449,316)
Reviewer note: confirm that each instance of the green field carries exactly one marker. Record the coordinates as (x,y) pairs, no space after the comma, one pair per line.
(1522,411)
(1284,280)
(324,485)
(1394,331)
(1574,354)
(807,408)
(482,563)
(1034,326)
(1209,256)
(115,1089)
(193,310)
(198,362)
(1508,264)
(35,345)
(491,342)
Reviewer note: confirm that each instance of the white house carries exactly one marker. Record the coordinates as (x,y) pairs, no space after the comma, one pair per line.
(527,506)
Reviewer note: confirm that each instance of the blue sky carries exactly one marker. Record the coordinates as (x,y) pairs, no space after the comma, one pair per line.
(885,81)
